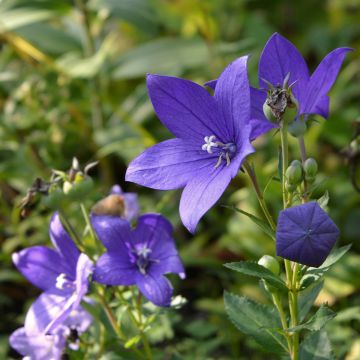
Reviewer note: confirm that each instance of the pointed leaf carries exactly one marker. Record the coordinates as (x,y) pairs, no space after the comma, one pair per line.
(256,320)
(254,269)
(316,346)
(307,298)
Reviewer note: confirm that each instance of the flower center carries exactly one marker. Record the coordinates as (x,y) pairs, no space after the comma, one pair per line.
(63,283)
(142,260)
(225,151)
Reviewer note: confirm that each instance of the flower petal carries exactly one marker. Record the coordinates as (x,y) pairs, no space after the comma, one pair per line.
(321,81)
(113,231)
(62,241)
(168,165)
(185,108)
(158,290)
(280,57)
(115,269)
(40,265)
(232,94)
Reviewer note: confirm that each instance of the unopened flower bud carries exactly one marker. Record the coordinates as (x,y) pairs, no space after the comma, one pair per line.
(294,173)
(297,128)
(268,112)
(67,187)
(270,263)
(310,167)
(112,205)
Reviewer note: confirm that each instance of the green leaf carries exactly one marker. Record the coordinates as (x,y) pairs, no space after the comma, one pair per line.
(316,346)
(324,200)
(254,269)
(314,274)
(317,322)
(260,223)
(256,320)
(307,298)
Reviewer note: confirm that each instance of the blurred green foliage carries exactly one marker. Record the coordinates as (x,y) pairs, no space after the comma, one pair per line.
(72,84)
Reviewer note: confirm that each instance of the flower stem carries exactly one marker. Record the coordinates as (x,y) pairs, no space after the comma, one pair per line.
(91,229)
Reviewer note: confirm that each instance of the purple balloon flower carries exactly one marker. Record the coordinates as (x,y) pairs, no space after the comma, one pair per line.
(42,346)
(212,139)
(305,234)
(280,57)
(132,208)
(139,256)
(62,274)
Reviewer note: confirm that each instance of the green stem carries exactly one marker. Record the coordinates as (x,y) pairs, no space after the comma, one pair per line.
(250,171)
(69,228)
(91,229)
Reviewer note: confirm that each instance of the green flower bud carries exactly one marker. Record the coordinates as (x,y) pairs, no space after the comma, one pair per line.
(268,112)
(290,187)
(270,263)
(67,187)
(294,173)
(81,190)
(297,128)
(310,167)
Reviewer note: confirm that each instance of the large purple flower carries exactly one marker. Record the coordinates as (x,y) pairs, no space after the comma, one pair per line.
(212,139)
(42,346)
(305,234)
(62,274)
(280,58)
(139,256)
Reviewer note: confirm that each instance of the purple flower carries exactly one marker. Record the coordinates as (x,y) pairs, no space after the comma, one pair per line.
(62,274)
(280,57)
(212,139)
(42,346)
(131,202)
(305,234)
(139,256)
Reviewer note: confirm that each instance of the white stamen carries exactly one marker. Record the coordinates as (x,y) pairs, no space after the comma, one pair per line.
(61,281)
(209,143)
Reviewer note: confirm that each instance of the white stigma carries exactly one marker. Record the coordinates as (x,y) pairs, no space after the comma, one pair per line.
(61,281)
(209,143)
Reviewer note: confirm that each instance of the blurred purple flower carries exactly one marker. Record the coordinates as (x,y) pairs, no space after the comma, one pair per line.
(212,139)
(305,234)
(131,202)
(280,57)
(42,346)
(62,274)
(139,256)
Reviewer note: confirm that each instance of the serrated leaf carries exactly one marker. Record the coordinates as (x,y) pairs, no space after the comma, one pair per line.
(256,320)
(317,322)
(316,346)
(260,223)
(254,269)
(314,274)
(324,200)
(307,298)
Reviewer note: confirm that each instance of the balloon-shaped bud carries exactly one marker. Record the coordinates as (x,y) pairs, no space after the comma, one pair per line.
(270,263)
(294,173)
(268,112)
(310,167)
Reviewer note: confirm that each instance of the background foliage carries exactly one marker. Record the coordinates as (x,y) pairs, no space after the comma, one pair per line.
(72,84)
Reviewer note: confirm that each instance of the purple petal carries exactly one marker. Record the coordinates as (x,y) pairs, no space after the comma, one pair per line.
(38,346)
(232,94)
(280,57)
(79,319)
(40,265)
(305,234)
(314,100)
(156,232)
(115,269)
(211,84)
(260,127)
(62,241)
(168,165)
(185,108)
(113,231)
(117,190)
(158,290)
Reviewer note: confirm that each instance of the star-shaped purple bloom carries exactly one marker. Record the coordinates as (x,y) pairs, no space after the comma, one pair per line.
(280,57)
(131,202)
(62,274)
(305,234)
(212,139)
(42,346)
(139,256)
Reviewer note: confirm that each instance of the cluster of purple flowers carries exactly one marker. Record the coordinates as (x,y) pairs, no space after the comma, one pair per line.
(213,134)
(140,256)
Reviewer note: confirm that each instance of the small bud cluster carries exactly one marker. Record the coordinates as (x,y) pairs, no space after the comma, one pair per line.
(297,172)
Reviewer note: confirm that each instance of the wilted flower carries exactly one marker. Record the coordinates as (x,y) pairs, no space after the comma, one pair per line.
(212,139)
(281,62)
(305,234)
(118,203)
(62,274)
(139,256)
(42,346)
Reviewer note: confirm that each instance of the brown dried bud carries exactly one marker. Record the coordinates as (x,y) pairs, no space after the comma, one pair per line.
(112,205)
